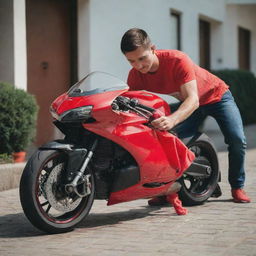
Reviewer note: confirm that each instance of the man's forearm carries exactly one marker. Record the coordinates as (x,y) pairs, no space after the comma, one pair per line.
(185,110)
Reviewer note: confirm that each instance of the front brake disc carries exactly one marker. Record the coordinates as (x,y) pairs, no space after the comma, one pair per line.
(63,203)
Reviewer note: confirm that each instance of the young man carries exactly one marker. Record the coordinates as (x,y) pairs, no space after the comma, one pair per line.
(201,94)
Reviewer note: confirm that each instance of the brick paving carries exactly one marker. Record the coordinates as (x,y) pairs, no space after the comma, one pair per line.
(217,228)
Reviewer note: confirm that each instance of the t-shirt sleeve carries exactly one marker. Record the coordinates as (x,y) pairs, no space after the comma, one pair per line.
(184,70)
(133,80)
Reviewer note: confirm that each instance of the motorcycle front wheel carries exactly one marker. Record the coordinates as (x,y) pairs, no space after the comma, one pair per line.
(44,200)
(196,190)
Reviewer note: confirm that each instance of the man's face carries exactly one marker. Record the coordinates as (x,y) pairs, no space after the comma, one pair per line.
(143,60)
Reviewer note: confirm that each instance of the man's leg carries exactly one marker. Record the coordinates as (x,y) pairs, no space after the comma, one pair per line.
(229,120)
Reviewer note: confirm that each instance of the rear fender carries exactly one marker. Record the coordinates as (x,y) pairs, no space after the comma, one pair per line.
(198,136)
(202,136)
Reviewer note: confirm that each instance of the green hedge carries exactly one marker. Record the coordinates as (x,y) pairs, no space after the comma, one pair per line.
(18,112)
(243,87)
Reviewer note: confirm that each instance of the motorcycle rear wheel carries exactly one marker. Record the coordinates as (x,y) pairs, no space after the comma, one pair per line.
(44,201)
(194,190)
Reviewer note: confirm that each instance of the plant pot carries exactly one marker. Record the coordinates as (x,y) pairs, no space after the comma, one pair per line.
(19,157)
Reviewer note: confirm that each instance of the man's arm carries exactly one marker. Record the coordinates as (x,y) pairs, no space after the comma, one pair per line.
(190,104)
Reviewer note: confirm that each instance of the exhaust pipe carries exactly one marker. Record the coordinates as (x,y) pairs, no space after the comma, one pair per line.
(199,170)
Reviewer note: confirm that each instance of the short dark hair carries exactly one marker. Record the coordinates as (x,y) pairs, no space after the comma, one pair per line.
(134,38)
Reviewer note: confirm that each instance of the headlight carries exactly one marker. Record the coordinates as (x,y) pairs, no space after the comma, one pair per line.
(74,115)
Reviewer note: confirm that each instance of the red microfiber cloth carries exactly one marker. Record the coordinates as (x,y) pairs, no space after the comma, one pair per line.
(179,156)
(177,204)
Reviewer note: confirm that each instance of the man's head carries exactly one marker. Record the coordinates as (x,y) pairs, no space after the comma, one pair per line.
(139,51)
(134,38)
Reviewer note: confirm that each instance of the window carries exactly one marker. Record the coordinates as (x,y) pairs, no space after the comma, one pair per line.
(244,37)
(204,44)
(175,30)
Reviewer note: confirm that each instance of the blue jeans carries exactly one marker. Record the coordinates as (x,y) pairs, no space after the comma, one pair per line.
(228,117)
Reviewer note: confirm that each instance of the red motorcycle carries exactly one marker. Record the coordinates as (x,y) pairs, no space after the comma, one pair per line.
(110,151)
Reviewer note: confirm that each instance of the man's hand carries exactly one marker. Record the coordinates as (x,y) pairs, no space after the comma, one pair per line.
(164,123)
(189,105)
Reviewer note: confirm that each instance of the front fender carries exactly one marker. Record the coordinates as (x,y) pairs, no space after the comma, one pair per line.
(57,145)
(75,156)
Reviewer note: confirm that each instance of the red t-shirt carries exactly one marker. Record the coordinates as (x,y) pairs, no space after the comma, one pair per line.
(176,69)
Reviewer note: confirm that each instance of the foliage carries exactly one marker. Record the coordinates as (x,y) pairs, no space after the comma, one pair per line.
(18,112)
(243,87)
(5,159)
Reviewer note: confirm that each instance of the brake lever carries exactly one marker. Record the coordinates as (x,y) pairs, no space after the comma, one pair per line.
(155,115)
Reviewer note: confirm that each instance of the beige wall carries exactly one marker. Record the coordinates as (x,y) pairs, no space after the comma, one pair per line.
(101,31)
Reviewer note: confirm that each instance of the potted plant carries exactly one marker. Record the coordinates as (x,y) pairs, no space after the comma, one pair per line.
(18,112)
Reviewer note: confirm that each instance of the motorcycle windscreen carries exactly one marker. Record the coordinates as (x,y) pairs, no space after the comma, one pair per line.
(178,155)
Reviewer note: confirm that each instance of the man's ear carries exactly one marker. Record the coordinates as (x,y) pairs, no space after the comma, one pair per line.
(153,48)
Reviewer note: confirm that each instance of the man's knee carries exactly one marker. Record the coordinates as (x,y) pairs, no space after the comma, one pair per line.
(236,142)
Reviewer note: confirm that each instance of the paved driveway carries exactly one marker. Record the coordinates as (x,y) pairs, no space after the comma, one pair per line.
(219,227)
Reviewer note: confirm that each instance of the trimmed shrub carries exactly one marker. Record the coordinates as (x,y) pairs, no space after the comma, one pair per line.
(243,87)
(18,112)
(6,159)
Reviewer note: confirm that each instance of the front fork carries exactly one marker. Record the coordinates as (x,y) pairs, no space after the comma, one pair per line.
(81,183)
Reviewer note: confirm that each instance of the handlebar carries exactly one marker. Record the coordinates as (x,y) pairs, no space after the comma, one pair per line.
(125,103)
(135,103)
(146,108)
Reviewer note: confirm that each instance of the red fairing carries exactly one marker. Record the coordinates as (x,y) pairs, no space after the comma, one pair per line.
(111,150)
(175,159)
(161,156)
(99,101)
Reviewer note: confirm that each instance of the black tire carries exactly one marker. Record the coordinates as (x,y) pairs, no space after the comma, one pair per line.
(34,201)
(194,190)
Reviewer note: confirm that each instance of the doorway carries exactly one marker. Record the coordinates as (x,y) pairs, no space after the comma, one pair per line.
(244,51)
(204,44)
(51,56)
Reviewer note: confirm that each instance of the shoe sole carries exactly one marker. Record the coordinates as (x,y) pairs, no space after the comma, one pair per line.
(241,201)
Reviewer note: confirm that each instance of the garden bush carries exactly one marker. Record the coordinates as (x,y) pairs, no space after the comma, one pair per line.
(243,87)
(18,112)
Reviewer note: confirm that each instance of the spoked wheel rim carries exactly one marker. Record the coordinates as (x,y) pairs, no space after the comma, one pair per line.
(195,189)
(195,185)
(54,203)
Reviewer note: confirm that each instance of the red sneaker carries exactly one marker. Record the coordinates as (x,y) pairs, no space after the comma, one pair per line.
(157,201)
(240,196)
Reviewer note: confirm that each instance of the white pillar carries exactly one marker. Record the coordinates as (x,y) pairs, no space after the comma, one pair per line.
(84,46)
(190,35)
(20,44)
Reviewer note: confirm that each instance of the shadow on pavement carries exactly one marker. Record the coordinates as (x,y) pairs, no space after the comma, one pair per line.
(113,218)
(219,200)
(17,225)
